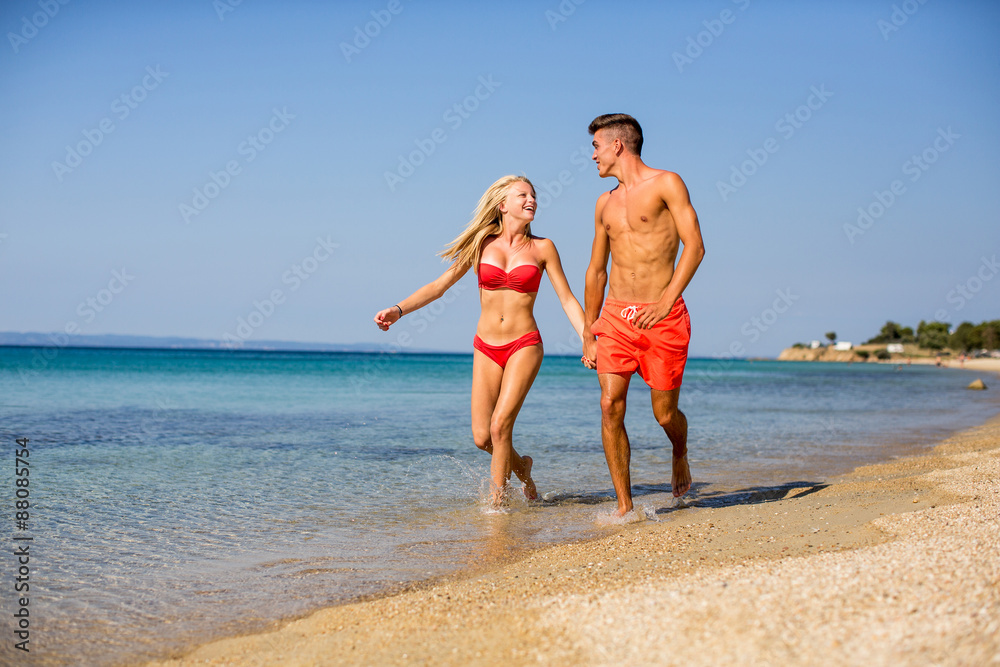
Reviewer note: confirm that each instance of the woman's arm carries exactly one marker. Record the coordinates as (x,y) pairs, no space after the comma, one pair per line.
(423,296)
(559,283)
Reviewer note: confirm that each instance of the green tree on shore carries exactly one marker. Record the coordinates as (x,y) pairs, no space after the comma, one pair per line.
(933,335)
(894,333)
(968,337)
(991,336)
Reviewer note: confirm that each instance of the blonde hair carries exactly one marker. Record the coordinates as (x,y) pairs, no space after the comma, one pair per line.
(486,221)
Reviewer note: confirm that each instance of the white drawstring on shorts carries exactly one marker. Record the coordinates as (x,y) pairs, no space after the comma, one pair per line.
(630,312)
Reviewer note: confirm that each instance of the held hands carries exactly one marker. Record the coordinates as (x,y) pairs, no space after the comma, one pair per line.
(589,357)
(385,318)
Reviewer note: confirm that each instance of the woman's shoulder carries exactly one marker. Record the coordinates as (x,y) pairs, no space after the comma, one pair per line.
(543,244)
(545,250)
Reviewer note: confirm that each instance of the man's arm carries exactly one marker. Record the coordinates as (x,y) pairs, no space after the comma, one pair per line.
(678,201)
(596,280)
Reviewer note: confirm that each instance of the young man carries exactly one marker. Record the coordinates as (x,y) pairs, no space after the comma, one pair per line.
(644,325)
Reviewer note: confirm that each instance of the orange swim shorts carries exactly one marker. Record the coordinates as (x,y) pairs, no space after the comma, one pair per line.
(658,354)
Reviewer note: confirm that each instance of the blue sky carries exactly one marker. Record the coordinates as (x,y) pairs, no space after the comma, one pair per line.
(175,168)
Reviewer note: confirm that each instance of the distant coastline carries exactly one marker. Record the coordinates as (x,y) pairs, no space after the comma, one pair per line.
(113,341)
(868,352)
(933,342)
(911,354)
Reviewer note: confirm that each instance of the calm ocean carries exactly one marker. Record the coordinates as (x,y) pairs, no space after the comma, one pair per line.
(181,495)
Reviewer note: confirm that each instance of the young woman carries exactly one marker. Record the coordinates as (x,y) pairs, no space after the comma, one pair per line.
(509,261)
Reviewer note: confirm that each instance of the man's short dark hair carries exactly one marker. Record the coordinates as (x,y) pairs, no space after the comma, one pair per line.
(622,126)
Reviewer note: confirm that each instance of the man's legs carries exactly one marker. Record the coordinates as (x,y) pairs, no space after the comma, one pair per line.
(675,425)
(614,389)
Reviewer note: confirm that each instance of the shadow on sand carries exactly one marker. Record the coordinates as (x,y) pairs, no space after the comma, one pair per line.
(699,495)
(752,495)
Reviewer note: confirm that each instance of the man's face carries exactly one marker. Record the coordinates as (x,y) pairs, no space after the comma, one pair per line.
(604,152)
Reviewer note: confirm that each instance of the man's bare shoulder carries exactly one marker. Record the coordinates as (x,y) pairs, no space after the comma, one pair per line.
(665,176)
(603,198)
(670,178)
(606,195)
(670,185)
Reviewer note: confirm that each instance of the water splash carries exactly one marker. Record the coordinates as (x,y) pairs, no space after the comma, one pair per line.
(638,514)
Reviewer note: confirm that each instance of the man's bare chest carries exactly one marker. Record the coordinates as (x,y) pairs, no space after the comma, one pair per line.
(635,215)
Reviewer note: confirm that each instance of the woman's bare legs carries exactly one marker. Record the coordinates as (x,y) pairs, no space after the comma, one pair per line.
(497,396)
(486,380)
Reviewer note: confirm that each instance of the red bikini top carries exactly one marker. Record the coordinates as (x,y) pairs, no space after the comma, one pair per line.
(525,278)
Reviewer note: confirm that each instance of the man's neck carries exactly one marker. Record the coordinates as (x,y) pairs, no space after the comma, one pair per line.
(630,170)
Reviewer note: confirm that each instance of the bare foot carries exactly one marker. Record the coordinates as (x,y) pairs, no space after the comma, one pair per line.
(528,484)
(680,478)
(622,511)
(498,498)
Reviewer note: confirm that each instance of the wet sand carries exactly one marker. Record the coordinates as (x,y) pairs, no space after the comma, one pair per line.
(894,563)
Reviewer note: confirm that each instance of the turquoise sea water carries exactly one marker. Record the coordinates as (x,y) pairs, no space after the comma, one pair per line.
(182,495)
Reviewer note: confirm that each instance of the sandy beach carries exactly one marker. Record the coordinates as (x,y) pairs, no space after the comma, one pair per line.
(894,563)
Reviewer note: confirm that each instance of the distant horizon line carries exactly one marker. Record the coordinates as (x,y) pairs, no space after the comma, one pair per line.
(12,339)
(136,341)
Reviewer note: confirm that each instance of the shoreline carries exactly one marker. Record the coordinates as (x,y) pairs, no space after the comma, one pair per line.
(830,355)
(894,561)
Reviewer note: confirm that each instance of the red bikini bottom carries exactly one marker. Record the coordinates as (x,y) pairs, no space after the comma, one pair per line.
(501,353)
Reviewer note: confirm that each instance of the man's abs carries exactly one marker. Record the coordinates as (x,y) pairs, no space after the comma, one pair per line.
(640,274)
(643,241)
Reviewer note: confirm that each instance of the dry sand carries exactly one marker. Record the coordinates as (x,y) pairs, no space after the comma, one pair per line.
(988,365)
(893,564)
